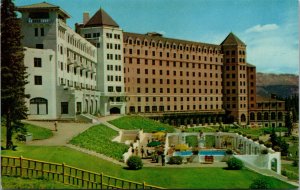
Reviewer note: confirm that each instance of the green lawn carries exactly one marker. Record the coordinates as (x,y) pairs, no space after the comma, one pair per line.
(24,183)
(38,133)
(98,138)
(203,178)
(138,122)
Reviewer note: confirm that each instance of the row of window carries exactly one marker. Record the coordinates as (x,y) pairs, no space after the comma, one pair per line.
(233,83)
(36,32)
(168,81)
(266,116)
(133,109)
(116,36)
(110,57)
(80,44)
(167,72)
(187,56)
(241,52)
(174,63)
(90,35)
(233,106)
(111,68)
(241,60)
(233,91)
(75,84)
(228,68)
(110,46)
(111,89)
(111,78)
(234,98)
(228,76)
(182,99)
(180,90)
(78,70)
(174,46)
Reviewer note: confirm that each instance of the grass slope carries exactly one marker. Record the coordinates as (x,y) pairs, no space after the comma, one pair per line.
(201,178)
(98,138)
(138,122)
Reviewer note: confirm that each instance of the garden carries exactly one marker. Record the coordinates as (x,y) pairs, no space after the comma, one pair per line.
(200,178)
(139,122)
(99,139)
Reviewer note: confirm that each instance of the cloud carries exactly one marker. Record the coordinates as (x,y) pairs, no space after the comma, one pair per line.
(262,28)
(276,51)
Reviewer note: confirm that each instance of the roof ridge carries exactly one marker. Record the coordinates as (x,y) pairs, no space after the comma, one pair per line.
(232,39)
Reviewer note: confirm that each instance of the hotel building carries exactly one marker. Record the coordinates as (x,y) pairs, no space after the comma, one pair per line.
(100,69)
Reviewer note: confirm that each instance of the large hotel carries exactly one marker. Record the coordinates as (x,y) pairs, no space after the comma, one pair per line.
(99,69)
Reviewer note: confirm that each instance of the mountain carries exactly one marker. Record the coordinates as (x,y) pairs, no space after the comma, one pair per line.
(283,85)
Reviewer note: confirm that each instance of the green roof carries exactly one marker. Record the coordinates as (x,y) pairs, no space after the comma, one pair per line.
(232,39)
(101,18)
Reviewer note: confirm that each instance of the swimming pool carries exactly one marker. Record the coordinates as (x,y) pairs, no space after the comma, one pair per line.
(201,153)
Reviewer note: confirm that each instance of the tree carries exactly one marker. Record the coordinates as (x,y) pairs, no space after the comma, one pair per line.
(273,138)
(13,71)
(288,123)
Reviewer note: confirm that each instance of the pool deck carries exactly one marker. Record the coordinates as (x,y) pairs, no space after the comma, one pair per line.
(148,163)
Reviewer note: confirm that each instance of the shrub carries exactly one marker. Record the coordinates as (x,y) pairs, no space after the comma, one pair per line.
(134,163)
(235,164)
(295,163)
(255,139)
(175,160)
(260,183)
(261,142)
(268,144)
(264,151)
(249,136)
(21,137)
(229,151)
(284,173)
(277,148)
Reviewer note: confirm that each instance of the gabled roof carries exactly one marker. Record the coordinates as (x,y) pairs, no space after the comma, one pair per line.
(43,5)
(232,39)
(101,18)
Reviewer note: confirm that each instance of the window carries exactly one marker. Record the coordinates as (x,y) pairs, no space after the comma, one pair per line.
(118,88)
(38,80)
(38,106)
(37,62)
(64,108)
(39,46)
(36,31)
(110,88)
(42,32)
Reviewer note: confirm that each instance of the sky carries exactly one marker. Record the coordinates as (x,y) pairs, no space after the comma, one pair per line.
(268,27)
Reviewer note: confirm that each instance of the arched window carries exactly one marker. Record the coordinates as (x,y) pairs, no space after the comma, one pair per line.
(243,118)
(266,116)
(280,116)
(38,106)
(252,116)
(259,117)
(273,116)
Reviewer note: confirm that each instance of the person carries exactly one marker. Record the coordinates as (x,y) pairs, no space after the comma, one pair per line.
(136,151)
(55,125)
(132,150)
(142,151)
(162,159)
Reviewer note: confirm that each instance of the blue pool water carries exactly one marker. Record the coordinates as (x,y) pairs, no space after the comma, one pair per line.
(201,153)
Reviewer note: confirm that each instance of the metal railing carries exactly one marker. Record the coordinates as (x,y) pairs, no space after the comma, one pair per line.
(29,168)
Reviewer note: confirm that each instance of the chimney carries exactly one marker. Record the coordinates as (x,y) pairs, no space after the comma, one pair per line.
(86,17)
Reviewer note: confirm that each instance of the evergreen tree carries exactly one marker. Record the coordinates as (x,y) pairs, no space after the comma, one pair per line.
(13,71)
(288,123)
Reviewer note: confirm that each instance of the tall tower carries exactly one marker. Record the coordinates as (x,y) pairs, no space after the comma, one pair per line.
(105,34)
(235,78)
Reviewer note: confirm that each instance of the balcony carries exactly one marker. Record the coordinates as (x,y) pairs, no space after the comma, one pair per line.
(39,20)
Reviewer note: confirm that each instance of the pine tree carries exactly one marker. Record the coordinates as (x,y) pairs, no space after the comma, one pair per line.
(288,123)
(13,71)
